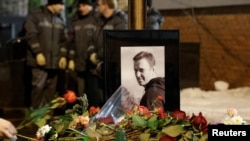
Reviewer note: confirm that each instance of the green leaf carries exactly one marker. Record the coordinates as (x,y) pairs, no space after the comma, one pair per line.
(39,112)
(173,130)
(165,121)
(188,135)
(120,135)
(204,137)
(138,121)
(54,106)
(85,138)
(153,122)
(144,137)
(41,122)
(91,132)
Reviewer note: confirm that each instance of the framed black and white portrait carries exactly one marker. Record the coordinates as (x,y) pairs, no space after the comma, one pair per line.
(120,46)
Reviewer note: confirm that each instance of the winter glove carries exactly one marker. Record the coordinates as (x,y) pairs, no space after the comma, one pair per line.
(40,59)
(93,58)
(71,65)
(62,63)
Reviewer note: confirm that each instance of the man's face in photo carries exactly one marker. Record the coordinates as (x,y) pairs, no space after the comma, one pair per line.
(143,71)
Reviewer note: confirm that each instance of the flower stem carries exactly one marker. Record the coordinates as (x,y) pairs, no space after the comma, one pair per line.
(78,132)
(25,137)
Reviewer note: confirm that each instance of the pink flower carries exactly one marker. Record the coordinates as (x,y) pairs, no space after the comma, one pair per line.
(83,120)
(232,112)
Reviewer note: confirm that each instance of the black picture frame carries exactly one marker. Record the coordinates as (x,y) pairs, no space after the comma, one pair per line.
(169,39)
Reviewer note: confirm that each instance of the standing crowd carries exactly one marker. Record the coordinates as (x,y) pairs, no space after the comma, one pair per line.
(51,55)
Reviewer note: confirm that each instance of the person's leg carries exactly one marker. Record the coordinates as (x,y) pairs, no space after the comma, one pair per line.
(80,83)
(50,89)
(39,78)
(93,91)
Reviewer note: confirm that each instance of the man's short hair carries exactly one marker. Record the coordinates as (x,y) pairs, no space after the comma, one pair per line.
(147,55)
(51,2)
(111,3)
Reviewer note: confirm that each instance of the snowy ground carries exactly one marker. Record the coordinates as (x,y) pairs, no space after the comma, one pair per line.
(213,104)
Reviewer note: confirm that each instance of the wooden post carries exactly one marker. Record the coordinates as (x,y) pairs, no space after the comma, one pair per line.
(136,14)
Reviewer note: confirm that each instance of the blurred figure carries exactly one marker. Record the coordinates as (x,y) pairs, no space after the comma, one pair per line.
(110,18)
(7,129)
(154,18)
(47,52)
(84,26)
(123,5)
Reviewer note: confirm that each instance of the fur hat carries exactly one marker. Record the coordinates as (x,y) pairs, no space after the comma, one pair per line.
(89,2)
(55,2)
(149,3)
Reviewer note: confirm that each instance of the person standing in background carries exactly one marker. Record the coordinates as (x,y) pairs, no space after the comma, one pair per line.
(110,18)
(47,51)
(154,17)
(83,28)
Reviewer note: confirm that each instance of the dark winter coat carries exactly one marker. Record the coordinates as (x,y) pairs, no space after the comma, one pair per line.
(84,29)
(44,33)
(118,21)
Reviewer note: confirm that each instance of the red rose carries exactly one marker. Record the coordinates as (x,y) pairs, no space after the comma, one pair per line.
(93,110)
(106,120)
(178,114)
(142,110)
(199,122)
(167,138)
(161,113)
(70,96)
(159,98)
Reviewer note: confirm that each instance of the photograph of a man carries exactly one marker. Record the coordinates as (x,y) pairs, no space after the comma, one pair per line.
(154,86)
(146,74)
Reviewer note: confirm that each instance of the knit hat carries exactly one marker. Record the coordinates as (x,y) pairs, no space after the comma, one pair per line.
(89,2)
(149,3)
(55,2)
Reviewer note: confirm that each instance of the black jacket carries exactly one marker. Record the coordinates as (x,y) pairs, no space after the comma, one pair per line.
(84,29)
(118,21)
(154,88)
(44,33)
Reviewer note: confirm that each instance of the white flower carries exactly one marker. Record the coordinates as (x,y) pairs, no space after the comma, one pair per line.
(232,118)
(42,131)
(237,120)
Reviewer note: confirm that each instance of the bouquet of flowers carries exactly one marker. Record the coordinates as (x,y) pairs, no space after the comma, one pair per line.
(68,125)
(137,124)
(144,125)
